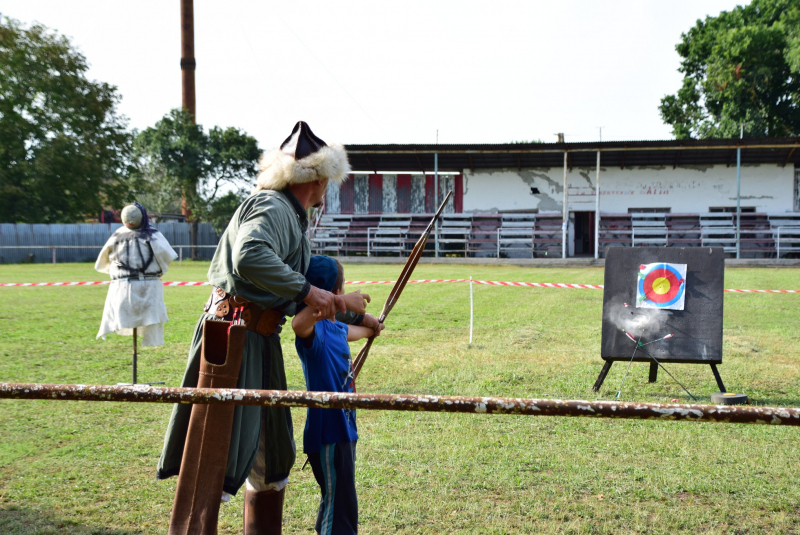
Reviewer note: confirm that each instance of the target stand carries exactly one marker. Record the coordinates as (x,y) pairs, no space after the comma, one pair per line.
(665,302)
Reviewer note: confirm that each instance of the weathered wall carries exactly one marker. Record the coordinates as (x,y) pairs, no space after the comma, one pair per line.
(768,188)
(389,194)
(361,195)
(417,194)
(446,183)
(332,203)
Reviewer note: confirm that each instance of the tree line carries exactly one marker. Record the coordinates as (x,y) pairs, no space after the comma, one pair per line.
(65,151)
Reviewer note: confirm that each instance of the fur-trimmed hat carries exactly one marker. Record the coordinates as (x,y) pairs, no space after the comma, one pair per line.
(303,157)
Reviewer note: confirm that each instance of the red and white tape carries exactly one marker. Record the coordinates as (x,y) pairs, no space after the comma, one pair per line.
(93,283)
(737,290)
(355,283)
(88,283)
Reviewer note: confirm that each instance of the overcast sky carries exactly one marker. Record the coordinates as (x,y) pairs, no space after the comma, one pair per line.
(391,72)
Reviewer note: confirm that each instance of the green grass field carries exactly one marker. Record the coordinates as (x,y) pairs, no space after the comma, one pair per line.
(83,467)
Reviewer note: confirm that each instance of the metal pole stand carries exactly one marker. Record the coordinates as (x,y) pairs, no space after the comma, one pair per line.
(135,363)
(134,356)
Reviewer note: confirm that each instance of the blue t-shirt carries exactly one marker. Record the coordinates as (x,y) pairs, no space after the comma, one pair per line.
(327,367)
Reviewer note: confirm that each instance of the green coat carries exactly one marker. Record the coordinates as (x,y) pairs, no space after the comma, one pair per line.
(261,257)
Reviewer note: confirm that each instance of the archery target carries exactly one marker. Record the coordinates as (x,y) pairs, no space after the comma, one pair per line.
(697,328)
(661,286)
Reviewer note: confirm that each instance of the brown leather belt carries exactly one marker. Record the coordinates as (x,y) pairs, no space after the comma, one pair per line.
(262,321)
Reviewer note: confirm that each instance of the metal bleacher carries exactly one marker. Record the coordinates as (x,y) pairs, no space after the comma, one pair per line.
(786,233)
(454,234)
(648,230)
(763,235)
(465,235)
(539,235)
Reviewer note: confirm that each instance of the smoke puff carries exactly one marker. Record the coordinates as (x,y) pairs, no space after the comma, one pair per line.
(640,322)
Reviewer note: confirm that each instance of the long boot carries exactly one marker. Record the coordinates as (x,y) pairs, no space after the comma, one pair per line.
(263,512)
(195,510)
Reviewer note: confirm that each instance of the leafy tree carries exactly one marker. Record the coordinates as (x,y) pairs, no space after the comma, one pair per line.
(64,151)
(147,187)
(222,209)
(177,159)
(742,66)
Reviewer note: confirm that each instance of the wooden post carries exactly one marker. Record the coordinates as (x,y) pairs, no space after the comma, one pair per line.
(188,65)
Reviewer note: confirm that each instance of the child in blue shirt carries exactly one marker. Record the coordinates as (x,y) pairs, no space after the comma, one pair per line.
(330,435)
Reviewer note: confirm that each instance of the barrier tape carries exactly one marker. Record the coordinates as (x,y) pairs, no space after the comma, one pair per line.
(356,283)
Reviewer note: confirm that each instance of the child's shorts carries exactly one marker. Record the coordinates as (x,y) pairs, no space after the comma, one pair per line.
(335,471)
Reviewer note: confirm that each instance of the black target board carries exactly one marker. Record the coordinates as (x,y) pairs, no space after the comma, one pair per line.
(667,301)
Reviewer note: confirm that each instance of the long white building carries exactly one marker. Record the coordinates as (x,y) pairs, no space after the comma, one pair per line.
(671,180)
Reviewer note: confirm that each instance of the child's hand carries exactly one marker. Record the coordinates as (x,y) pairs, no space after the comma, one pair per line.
(370,322)
(369,327)
(377,331)
(357,302)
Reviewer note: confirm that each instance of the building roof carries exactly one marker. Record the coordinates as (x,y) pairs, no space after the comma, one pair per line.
(689,152)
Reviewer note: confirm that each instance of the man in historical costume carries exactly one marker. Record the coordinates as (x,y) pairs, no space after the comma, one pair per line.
(136,256)
(258,276)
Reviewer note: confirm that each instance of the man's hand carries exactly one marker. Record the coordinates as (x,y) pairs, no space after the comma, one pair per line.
(357,302)
(325,303)
(371,322)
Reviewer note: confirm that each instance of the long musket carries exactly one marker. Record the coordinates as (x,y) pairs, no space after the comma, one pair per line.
(394,295)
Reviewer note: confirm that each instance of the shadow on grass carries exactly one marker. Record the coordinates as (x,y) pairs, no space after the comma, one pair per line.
(20,521)
(682,398)
(782,402)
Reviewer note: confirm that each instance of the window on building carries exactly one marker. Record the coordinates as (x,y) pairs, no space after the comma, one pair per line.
(649,210)
(534,191)
(730,209)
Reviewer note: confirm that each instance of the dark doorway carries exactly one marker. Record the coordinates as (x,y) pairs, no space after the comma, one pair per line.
(584,233)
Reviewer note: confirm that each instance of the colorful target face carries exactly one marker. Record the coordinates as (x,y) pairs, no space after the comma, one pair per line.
(661,286)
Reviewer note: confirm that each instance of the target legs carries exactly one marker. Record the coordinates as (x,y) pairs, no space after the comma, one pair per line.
(602,376)
(653,373)
(715,371)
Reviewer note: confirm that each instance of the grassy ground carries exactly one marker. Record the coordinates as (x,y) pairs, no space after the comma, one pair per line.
(75,467)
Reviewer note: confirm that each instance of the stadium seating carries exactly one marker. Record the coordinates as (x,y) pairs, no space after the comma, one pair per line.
(539,235)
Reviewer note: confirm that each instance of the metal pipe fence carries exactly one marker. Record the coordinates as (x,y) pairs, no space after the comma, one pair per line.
(787,240)
(182,247)
(740,414)
(53,248)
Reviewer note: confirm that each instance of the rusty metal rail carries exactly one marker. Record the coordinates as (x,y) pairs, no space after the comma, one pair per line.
(407,402)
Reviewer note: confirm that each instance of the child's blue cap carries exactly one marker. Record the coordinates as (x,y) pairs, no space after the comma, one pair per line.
(322,272)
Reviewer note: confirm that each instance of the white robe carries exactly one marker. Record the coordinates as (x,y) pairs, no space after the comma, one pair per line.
(135,303)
